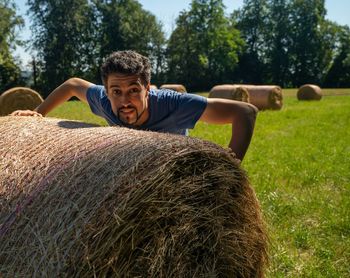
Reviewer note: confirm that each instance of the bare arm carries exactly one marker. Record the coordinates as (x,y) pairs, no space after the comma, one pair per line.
(72,87)
(240,114)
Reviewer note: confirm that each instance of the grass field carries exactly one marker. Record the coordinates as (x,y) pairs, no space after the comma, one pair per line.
(299,165)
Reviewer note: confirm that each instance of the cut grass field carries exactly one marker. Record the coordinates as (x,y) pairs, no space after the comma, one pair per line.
(299,164)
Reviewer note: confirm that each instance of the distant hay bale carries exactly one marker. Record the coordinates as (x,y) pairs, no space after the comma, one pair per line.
(265,96)
(309,92)
(87,201)
(229,92)
(175,87)
(154,87)
(19,98)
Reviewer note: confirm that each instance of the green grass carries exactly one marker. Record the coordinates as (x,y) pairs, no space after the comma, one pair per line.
(299,165)
(76,110)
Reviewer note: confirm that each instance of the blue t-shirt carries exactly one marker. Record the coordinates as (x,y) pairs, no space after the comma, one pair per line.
(169,111)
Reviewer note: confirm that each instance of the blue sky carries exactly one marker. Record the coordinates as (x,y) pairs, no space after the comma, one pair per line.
(167,11)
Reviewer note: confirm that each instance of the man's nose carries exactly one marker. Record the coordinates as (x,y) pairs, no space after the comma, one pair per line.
(124,100)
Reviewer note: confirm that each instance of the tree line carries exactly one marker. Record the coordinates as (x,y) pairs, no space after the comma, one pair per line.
(282,42)
(9,70)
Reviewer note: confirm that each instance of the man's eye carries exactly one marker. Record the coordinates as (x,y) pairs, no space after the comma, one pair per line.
(116,92)
(134,90)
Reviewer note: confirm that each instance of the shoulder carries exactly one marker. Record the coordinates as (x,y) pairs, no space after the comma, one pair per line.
(96,89)
(164,103)
(163,94)
(97,98)
(96,93)
(170,96)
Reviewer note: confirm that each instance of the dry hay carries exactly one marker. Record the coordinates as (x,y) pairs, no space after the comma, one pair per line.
(19,98)
(265,96)
(154,87)
(175,87)
(229,92)
(89,201)
(309,92)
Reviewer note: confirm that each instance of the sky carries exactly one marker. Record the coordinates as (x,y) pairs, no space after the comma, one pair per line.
(167,11)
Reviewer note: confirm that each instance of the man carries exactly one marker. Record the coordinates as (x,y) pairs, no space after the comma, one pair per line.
(126,100)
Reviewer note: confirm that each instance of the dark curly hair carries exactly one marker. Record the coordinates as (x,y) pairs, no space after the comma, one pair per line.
(126,62)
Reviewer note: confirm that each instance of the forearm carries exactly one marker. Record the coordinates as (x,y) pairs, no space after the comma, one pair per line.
(242,132)
(242,116)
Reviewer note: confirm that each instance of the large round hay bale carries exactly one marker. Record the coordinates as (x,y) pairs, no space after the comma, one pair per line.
(309,92)
(265,96)
(83,201)
(19,98)
(229,92)
(175,87)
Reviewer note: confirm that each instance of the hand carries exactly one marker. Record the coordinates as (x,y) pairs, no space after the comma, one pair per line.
(239,161)
(26,113)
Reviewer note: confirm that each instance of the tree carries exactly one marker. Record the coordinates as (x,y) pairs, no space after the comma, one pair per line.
(63,38)
(339,72)
(311,53)
(9,22)
(203,49)
(251,21)
(123,24)
(279,43)
(182,56)
(288,42)
(73,36)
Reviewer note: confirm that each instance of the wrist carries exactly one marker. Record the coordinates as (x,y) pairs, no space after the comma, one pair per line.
(40,111)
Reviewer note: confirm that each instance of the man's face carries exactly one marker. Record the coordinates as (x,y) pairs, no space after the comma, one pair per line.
(128,97)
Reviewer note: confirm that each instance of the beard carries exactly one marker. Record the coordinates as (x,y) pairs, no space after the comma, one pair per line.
(128,119)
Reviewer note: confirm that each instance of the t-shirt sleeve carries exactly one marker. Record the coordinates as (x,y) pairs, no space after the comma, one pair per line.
(95,96)
(190,108)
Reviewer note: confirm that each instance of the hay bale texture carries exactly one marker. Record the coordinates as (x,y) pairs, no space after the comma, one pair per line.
(175,87)
(83,201)
(229,92)
(19,98)
(265,96)
(309,92)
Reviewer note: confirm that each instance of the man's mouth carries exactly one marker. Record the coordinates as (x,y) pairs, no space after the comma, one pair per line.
(126,111)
